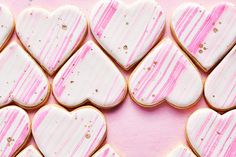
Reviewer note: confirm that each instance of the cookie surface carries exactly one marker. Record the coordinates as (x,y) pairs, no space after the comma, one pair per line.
(181,151)
(15,129)
(220,86)
(127,33)
(106,151)
(53,37)
(165,74)
(92,74)
(211,134)
(21,79)
(29,151)
(6,25)
(59,133)
(207,36)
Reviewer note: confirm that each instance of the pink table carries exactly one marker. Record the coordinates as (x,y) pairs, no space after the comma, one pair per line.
(133,131)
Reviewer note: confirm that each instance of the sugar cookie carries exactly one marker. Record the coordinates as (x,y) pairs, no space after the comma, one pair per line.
(207,36)
(51,38)
(127,33)
(59,133)
(92,74)
(166,74)
(21,79)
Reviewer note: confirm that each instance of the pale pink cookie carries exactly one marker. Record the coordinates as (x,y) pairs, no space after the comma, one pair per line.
(211,134)
(220,86)
(51,38)
(106,151)
(181,151)
(6,25)
(29,151)
(166,74)
(15,129)
(127,33)
(21,79)
(206,36)
(59,133)
(89,75)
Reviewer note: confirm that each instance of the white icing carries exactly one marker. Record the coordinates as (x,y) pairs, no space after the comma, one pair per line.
(15,129)
(166,74)
(212,134)
(51,37)
(106,151)
(22,81)
(127,33)
(220,85)
(6,24)
(89,75)
(181,151)
(29,151)
(59,133)
(206,35)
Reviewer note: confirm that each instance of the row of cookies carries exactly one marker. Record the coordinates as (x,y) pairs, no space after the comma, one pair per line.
(56,132)
(169,77)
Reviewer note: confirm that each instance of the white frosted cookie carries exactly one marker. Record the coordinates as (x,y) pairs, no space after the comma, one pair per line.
(15,129)
(92,74)
(106,151)
(166,74)
(127,33)
(59,133)
(220,86)
(6,25)
(29,151)
(181,151)
(21,79)
(51,38)
(211,134)
(206,36)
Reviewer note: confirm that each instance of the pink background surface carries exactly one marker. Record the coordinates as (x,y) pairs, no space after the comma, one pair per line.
(132,130)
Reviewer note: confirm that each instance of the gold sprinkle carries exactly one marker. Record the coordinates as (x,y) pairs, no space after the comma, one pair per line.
(87,136)
(215,30)
(125,47)
(96,90)
(64,27)
(127,23)
(200,51)
(204,48)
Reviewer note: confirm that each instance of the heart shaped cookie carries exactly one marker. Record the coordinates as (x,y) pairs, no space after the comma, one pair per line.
(92,74)
(206,36)
(6,25)
(106,151)
(59,133)
(212,134)
(220,86)
(181,151)
(165,74)
(14,130)
(29,151)
(21,79)
(51,38)
(127,33)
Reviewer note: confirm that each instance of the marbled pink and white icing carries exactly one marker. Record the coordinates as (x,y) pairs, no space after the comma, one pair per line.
(166,74)
(220,86)
(92,74)
(51,38)
(127,33)
(212,134)
(181,151)
(106,151)
(206,35)
(59,133)
(6,25)
(21,79)
(29,151)
(14,130)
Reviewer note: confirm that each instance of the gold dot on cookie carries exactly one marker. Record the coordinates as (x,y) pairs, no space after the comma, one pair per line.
(71,81)
(200,51)
(220,22)
(87,136)
(215,30)
(127,23)
(96,90)
(125,47)
(204,48)
(64,27)
(153,95)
